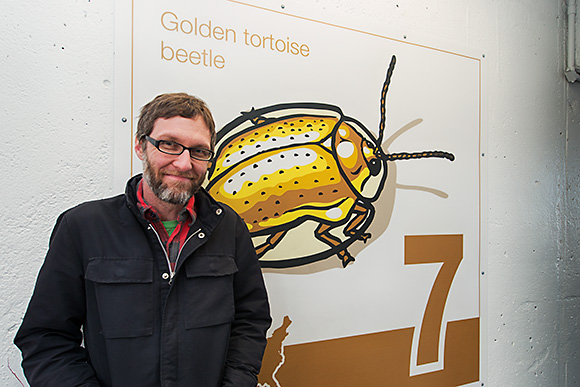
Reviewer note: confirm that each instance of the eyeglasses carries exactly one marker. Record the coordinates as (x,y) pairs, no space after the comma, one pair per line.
(175,148)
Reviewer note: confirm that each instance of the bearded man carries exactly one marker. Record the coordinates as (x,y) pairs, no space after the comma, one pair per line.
(159,286)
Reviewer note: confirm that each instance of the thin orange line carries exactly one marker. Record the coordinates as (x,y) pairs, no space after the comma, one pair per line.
(479,157)
(350,29)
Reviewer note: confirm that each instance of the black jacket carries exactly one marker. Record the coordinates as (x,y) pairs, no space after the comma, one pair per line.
(106,275)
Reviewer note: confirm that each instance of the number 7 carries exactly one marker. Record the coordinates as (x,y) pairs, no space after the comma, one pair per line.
(422,249)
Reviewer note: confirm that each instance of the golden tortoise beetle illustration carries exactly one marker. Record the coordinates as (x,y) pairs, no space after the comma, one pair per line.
(286,165)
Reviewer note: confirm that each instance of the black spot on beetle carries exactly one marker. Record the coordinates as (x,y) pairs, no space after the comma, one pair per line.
(246,202)
(320,193)
(277,201)
(265,218)
(280,172)
(259,210)
(250,184)
(255,166)
(276,214)
(263,193)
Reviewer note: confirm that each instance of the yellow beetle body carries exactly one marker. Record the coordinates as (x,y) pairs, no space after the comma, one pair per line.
(284,166)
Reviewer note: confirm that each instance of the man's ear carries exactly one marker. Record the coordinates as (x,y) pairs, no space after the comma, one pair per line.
(139,149)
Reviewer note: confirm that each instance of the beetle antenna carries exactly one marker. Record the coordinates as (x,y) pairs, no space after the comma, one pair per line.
(384,99)
(418,155)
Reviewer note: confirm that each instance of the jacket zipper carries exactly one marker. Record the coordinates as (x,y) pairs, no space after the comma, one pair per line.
(171,271)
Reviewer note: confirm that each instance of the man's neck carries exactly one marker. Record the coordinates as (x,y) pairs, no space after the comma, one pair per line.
(165,211)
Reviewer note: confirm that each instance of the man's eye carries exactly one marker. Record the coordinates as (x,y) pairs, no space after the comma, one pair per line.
(169,146)
(201,153)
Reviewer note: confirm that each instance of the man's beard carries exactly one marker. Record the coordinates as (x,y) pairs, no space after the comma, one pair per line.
(179,192)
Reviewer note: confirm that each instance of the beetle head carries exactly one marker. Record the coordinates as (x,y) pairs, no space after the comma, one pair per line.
(360,159)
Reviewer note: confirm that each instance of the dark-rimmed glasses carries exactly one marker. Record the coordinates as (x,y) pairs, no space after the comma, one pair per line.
(175,148)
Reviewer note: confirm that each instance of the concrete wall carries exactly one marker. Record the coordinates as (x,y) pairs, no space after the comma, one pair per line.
(56,150)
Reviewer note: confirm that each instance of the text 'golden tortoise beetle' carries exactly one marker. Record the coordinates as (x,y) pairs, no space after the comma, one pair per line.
(285,166)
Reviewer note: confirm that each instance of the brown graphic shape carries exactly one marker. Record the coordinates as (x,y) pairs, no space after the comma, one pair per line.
(377,359)
(446,249)
(274,355)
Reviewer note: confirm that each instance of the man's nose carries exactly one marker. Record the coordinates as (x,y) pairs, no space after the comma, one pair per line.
(183,161)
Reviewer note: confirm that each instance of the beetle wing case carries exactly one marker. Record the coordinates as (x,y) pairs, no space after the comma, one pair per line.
(283,165)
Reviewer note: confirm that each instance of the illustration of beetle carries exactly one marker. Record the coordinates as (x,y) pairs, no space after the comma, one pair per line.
(287,165)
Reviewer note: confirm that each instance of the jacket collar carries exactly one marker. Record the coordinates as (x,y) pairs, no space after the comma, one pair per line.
(209,211)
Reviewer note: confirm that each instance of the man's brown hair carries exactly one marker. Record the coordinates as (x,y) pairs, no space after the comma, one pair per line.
(172,105)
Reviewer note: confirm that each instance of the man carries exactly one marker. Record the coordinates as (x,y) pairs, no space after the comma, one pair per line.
(157,287)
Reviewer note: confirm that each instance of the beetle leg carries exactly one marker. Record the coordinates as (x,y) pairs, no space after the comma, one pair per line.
(351,228)
(323,235)
(270,243)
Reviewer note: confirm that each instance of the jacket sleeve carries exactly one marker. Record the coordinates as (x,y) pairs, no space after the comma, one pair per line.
(252,316)
(50,336)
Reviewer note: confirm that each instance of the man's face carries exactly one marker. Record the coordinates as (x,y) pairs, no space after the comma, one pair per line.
(175,178)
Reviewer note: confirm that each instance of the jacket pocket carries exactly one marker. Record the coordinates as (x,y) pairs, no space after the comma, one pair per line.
(124,295)
(209,290)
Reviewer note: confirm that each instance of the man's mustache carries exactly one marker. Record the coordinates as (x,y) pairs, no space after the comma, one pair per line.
(180,174)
